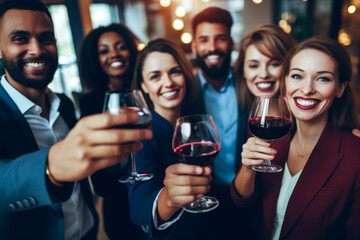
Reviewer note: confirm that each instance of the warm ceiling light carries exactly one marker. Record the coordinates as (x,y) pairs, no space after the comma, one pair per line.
(180,11)
(283,23)
(257,1)
(178,24)
(344,38)
(165,3)
(140,46)
(351,9)
(186,37)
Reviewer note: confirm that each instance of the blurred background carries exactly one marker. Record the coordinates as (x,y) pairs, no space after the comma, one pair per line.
(148,19)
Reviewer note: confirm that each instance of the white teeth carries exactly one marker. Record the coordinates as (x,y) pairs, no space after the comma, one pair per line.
(116,64)
(213,58)
(264,85)
(169,94)
(35,65)
(306,103)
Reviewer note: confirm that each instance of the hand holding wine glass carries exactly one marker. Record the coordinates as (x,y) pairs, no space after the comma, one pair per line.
(197,142)
(130,100)
(269,120)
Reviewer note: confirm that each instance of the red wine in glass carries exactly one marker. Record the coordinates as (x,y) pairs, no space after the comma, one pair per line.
(197,153)
(270,120)
(117,102)
(272,129)
(196,141)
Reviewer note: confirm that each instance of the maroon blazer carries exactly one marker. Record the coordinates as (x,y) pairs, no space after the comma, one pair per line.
(325,203)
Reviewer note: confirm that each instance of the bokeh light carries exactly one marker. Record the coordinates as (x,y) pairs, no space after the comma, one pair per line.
(180,11)
(165,3)
(351,9)
(186,37)
(178,24)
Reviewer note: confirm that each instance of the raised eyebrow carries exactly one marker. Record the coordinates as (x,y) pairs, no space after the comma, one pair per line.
(322,72)
(203,37)
(18,32)
(298,69)
(222,36)
(175,67)
(251,60)
(153,72)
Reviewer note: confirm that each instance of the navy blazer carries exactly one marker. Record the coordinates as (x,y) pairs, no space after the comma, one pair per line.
(27,210)
(155,157)
(325,203)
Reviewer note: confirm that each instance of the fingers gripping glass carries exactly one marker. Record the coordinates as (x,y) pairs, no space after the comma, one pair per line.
(196,141)
(269,120)
(117,102)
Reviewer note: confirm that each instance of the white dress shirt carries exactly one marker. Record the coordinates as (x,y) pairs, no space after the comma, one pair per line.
(78,219)
(287,187)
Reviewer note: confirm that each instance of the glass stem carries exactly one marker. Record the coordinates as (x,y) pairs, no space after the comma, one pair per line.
(266,162)
(133,165)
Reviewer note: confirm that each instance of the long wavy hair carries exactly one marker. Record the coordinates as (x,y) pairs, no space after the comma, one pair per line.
(271,41)
(165,46)
(343,112)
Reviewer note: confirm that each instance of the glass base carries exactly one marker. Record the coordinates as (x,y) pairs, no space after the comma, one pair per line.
(267,168)
(139,177)
(204,204)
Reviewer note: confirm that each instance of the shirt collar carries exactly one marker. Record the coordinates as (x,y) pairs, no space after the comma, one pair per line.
(204,83)
(23,103)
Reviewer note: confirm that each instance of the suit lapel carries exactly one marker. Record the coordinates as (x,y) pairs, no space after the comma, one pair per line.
(321,164)
(272,183)
(10,105)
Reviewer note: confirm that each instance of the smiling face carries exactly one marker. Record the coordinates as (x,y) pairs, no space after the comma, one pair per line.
(261,72)
(164,81)
(212,46)
(114,55)
(312,84)
(28,48)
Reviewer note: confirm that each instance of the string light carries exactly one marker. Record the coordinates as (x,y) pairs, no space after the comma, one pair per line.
(206,0)
(186,37)
(257,1)
(178,24)
(351,9)
(180,11)
(165,3)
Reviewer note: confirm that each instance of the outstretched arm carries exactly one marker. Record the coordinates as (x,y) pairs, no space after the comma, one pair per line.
(94,144)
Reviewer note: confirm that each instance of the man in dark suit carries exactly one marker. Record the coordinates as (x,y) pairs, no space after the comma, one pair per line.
(45,158)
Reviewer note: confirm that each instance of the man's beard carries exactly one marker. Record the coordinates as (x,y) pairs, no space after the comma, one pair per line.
(215,71)
(16,71)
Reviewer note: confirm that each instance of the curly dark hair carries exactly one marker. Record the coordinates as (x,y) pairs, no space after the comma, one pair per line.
(91,74)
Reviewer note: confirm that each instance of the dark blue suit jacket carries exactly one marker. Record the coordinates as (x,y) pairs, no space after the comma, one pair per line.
(155,157)
(27,209)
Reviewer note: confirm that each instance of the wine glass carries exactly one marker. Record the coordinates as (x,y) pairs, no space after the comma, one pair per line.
(196,141)
(270,120)
(117,102)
